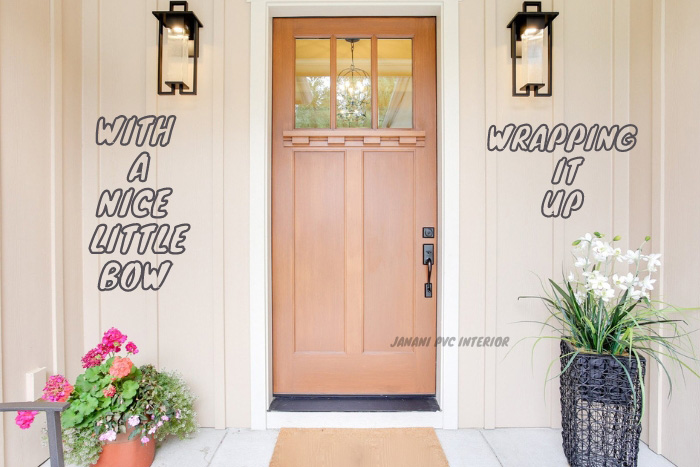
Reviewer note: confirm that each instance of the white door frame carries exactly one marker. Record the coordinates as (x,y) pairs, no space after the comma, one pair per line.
(261,14)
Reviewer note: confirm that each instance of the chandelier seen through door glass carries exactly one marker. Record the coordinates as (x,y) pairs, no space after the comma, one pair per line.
(354,93)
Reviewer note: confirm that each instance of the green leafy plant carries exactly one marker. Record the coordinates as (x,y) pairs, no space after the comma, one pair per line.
(164,406)
(98,396)
(605,307)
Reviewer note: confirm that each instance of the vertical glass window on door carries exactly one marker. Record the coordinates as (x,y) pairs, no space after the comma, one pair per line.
(354,83)
(395,83)
(312,82)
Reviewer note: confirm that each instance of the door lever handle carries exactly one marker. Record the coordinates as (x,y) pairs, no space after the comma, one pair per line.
(429,260)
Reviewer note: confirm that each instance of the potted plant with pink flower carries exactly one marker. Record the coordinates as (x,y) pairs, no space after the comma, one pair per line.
(118,412)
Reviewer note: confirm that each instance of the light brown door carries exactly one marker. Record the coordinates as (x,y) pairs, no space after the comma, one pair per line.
(353,185)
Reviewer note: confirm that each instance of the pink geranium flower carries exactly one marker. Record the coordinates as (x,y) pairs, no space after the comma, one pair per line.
(131,348)
(25,418)
(57,389)
(109,391)
(113,339)
(144,440)
(94,357)
(121,367)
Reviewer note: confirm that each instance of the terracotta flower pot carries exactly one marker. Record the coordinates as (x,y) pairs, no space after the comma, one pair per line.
(122,452)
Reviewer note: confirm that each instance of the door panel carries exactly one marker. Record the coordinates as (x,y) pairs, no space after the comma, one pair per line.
(388,249)
(319,251)
(349,204)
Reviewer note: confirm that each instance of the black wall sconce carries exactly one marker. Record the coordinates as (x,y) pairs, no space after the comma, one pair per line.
(531,51)
(178,49)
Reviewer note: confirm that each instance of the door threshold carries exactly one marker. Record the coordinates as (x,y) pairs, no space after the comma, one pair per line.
(317,403)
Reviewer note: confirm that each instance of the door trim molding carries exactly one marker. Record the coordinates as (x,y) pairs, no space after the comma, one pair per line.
(447,384)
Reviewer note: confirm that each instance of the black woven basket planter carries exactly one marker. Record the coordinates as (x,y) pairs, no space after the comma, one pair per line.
(600,412)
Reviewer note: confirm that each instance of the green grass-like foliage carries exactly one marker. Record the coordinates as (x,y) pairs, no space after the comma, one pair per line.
(605,307)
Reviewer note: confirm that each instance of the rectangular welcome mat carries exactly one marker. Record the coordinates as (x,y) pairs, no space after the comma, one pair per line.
(337,447)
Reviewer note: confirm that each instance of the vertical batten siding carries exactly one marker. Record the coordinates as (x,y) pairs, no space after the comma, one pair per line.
(658,196)
(640,161)
(678,169)
(236,212)
(559,241)
(29,141)
(473,206)
(70,183)
(218,275)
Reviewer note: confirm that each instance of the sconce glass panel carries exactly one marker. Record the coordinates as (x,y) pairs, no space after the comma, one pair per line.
(534,60)
(176,56)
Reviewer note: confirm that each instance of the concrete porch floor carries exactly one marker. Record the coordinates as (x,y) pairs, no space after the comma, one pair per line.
(507,447)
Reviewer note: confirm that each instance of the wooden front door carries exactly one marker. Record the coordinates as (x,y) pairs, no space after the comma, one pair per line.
(354,183)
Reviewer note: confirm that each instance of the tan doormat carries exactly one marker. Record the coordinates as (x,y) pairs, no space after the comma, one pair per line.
(338,447)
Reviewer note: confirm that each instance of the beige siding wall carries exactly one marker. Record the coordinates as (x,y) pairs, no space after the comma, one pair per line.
(26,202)
(506,242)
(198,322)
(679,171)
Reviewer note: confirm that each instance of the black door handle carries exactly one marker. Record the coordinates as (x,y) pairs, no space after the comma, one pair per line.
(429,260)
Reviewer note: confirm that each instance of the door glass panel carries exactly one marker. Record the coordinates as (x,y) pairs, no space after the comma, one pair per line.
(312,107)
(354,83)
(395,83)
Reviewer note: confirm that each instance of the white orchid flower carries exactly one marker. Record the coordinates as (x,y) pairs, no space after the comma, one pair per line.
(633,256)
(623,281)
(607,293)
(601,250)
(634,294)
(647,283)
(596,281)
(571,277)
(581,262)
(580,296)
(617,254)
(654,262)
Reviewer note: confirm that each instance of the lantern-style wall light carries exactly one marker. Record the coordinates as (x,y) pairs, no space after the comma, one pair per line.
(178,49)
(531,50)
